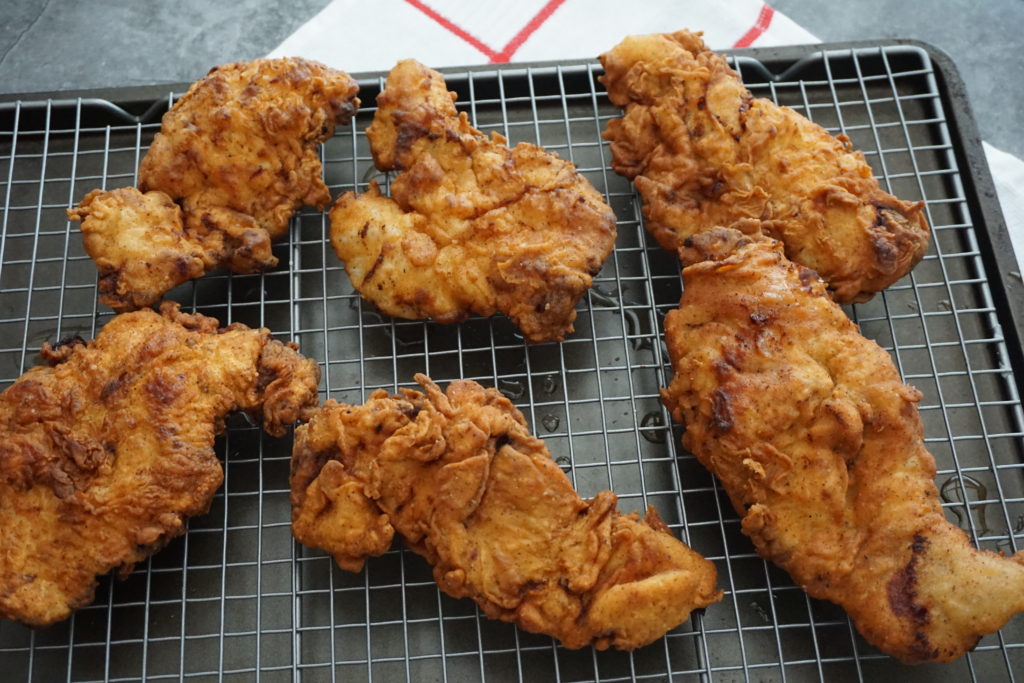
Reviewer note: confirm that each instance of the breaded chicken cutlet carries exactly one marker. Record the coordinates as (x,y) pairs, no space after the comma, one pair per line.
(471,226)
(703,152)
(108,449)
(461,478)
(819,445)
(238,153)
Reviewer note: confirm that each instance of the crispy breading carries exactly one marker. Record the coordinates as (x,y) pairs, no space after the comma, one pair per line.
(471,226)
(139,244)
(703,152)
(461,478)
(108,450)
(239,152)
(819,445)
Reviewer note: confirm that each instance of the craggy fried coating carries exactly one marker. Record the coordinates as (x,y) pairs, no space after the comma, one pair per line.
(139,245)
(239,152)
(820,447)
(471,226)
(108,449)
(703,152)
(461,478)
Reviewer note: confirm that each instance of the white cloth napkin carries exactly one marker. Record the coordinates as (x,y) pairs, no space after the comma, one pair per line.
(356,36)
(1008,174)
(361,36)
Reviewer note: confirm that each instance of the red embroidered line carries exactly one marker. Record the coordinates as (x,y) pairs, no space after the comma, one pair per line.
(517,41)
(764,19)
(454,28)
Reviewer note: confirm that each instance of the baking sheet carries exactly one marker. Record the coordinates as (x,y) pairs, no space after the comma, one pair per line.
(237,597)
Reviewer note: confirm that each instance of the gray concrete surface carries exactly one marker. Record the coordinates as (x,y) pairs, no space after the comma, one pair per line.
(985,38)
(67,44)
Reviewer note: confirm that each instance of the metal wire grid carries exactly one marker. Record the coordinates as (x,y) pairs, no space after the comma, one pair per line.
(237,598)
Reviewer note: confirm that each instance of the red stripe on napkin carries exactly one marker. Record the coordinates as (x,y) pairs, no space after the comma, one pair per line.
(454,28)
(517,41)
(494,56)
(764,19)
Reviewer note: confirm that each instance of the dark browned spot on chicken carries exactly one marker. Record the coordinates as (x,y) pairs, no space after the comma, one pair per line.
(411,411)
(61,351)
(363,230)
(807,277)
(902,586)
(108,282)
(882,211)
(111,388)
(306,466)
(164,389)
(406,134)
(923,649)
(84,453)
(760,319)
(887,252)
(530,585)
(902,593)
(376,264)
(267,374)
(721,411)
(725,366)
(344,112)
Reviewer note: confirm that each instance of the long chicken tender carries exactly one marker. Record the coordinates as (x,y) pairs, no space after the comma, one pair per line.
(471,226)
(820,447)
(105,452)
(239,152)
(703,152)
(461,478)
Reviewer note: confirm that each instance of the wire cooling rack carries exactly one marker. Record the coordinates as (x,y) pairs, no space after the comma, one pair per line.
(237,598)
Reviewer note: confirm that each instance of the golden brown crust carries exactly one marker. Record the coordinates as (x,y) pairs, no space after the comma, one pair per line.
(239,153)
(703,152)
(139,245)
(471,226)
(460,477)
(820,447)
(106,451)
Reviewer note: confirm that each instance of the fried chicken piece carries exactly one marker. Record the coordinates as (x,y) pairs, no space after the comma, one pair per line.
(471,226)
(139,245)
(109,449)
(461,478)
(703,152)
(820,447)
(239,152)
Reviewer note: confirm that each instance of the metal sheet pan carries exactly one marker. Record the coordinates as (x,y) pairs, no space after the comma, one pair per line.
(237,597)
